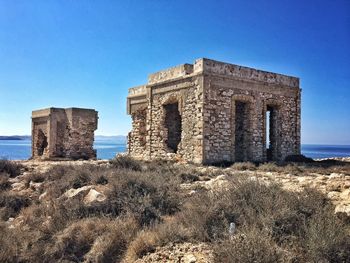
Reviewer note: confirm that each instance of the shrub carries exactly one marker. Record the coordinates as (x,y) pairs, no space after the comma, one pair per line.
(252,245)
(101,179)
(125,162)
(35,178)
(92,240)
(112,245)
(145,242)
(12,204)
(242,166)
(148,196)
(4,181)
(266,216)
(326,238)
(10,167)
(188,177)
(61,178)
(147,209)
(8,245)
(291,169)
(157,235)
(269,167)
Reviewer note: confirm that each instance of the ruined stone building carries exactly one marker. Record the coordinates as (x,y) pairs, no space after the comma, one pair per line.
(63,133)
(212,111)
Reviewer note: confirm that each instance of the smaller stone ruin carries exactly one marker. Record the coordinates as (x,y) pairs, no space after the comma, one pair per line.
(63,133)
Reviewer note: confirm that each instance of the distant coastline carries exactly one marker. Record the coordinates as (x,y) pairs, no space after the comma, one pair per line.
(117,138)
(15,137)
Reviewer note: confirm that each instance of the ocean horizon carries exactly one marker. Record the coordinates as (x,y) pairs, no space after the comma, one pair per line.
(107,149)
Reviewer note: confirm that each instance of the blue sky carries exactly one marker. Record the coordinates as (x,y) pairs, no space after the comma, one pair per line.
(83,53)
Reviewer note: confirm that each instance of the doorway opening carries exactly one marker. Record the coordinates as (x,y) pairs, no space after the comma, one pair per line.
(41,143)
(173,126)
(271,132)
(242,131)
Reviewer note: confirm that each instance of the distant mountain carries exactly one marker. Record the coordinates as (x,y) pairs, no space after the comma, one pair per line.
(117,138)
(16,137)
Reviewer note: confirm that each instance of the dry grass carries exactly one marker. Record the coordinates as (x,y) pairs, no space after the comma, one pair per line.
(145,208)
(11,168)
(243,166)
(4,181)
(271,225)
(252,245)
(126,162)
(320,167)
(11,204)
(9,250)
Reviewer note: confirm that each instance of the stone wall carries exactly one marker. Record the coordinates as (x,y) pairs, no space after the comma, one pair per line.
(186,93)
(222,108)
(137,136)
(219,119)
(69,133)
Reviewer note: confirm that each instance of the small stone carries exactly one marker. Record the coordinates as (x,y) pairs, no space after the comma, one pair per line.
(73,192)
(341,208)
(335,176)
(189,258)
(333,195)
(94,196)
(43,196)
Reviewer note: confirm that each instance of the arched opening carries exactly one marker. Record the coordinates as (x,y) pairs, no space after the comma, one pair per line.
(41,143)
(172,123)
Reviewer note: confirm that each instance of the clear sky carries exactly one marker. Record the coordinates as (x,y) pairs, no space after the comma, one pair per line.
(84,53)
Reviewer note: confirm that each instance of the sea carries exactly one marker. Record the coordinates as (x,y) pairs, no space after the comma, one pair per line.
(21,149)
(107,149)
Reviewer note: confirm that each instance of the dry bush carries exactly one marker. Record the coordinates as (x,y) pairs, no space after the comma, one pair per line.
(252,245)
(243,166)
(155,236)
(35,178)
(4,181)
(146,209)
(126,162)
(325,169)
(61,178)
(159,166)
(100,179)
(11,204)
(8,244)
(188,177)
(10,167)
(326,239)
(112,245)
(147,196)
(92,240)
(273,222)
(269,167)
(145,242)
(291,168)
(284,220)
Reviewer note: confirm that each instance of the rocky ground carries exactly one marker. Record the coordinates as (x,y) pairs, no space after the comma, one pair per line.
(335,185)
(181,253)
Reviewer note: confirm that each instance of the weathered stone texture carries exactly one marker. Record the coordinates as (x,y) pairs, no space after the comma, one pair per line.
(221,109)
(66,133)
